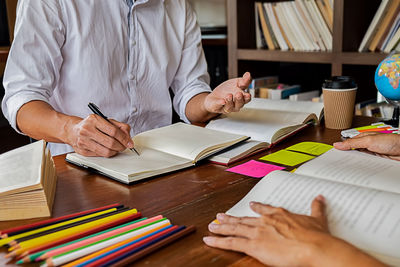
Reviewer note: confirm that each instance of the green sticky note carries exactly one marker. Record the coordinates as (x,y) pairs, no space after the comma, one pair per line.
(312,148)
(286,157)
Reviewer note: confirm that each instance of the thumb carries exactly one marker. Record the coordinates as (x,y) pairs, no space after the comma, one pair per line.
(244,81)
(318,209)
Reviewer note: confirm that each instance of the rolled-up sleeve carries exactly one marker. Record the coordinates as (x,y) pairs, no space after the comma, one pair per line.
(192,77)
(35,58)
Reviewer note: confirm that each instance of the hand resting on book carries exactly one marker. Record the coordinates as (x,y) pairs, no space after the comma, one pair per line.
(382,144)
(281,238)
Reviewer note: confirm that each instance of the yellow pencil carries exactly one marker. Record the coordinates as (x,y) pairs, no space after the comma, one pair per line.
(42,240)
(9,240)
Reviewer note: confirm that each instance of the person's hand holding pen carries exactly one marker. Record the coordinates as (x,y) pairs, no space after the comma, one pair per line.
(98,136)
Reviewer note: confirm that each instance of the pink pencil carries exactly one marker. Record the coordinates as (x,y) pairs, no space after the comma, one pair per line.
(97,238)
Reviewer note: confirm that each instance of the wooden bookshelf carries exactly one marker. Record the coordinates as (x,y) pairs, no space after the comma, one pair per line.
(350,22)
(4,53)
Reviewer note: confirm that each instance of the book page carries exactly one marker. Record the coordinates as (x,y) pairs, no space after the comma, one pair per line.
(260,125)
(21,167)
(238,151)
(367,218)
(355,167)
(186,141)
(128,164)
(285,105)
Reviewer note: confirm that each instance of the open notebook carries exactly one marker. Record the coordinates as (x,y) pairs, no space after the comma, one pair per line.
(161,150)
(267,122)
(362,193)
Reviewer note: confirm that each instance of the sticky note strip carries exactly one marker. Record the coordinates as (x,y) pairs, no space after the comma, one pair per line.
(312,148)
(288,158)
(254,169)
(374,126)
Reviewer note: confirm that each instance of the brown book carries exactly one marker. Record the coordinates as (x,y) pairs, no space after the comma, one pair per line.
(325,14)
(27,182)
(264,26)
(388,28)
(392,9)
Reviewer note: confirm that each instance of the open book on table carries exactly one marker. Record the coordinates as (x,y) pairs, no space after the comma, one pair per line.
(27,182)
(362,195)
(267,122)
(161,150)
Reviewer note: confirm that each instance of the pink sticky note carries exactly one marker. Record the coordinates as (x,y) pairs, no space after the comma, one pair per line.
(254,168)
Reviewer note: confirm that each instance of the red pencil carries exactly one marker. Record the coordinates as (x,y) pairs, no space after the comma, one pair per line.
(20,229)
(83,234)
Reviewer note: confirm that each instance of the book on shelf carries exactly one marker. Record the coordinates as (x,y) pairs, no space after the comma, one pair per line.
(362,193)
(262,82)
(393,42)
(301,25)
(279,91)
(382,29)
(27,182)
(268,121)
(386,22)
(161,150)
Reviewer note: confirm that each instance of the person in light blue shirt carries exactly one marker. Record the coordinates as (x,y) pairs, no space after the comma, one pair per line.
(123,56)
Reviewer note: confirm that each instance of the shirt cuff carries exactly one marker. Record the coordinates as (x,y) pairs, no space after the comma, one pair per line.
(193,92)
(12,105)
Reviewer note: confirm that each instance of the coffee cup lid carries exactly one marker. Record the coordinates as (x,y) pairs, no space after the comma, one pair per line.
(339,82)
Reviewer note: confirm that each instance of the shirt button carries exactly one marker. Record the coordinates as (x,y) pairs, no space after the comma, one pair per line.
(131,77)
(133,42)
(134,110)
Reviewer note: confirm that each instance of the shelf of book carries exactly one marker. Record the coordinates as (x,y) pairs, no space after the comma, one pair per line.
(351,20)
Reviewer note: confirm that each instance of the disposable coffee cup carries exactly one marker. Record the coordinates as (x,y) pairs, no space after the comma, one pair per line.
(339,95)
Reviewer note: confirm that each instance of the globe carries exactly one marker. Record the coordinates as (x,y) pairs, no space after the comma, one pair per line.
(387,78)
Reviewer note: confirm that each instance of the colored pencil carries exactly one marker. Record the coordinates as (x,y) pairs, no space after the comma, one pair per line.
(95,238)
(24,228)
(27,257)
(100,252)
(66,226)
(153,247)
(113,254)
(43,240)
(12,238)
(74,254)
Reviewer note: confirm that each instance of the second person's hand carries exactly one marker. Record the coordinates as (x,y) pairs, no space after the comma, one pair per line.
(95,136)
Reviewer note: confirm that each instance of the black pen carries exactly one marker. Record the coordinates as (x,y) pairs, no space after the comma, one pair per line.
(97,111)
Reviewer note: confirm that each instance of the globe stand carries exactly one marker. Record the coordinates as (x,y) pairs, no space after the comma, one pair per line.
(394,121)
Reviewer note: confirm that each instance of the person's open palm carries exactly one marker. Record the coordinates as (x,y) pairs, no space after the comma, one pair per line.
(229,96)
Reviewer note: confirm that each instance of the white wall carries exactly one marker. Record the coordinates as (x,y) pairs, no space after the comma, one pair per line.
(210,13)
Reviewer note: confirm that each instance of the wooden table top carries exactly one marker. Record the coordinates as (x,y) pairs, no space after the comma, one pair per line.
(188,197)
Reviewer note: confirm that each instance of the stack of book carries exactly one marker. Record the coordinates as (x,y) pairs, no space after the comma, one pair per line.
(113,234)
(300,25)
(383,33)
(27,182)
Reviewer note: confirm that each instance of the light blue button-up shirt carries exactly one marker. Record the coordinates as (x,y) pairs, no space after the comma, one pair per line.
(122,56)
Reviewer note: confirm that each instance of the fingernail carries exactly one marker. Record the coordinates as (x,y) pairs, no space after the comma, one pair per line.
(221,216)
(207,239)
(336,143)
(321,198)
(252,203)
(130,144)
(213,226)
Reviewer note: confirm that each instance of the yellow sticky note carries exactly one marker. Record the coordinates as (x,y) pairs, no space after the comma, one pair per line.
(294,170)
(286,157)
(312,148)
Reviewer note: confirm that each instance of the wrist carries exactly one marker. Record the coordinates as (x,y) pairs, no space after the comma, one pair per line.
(67,129)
